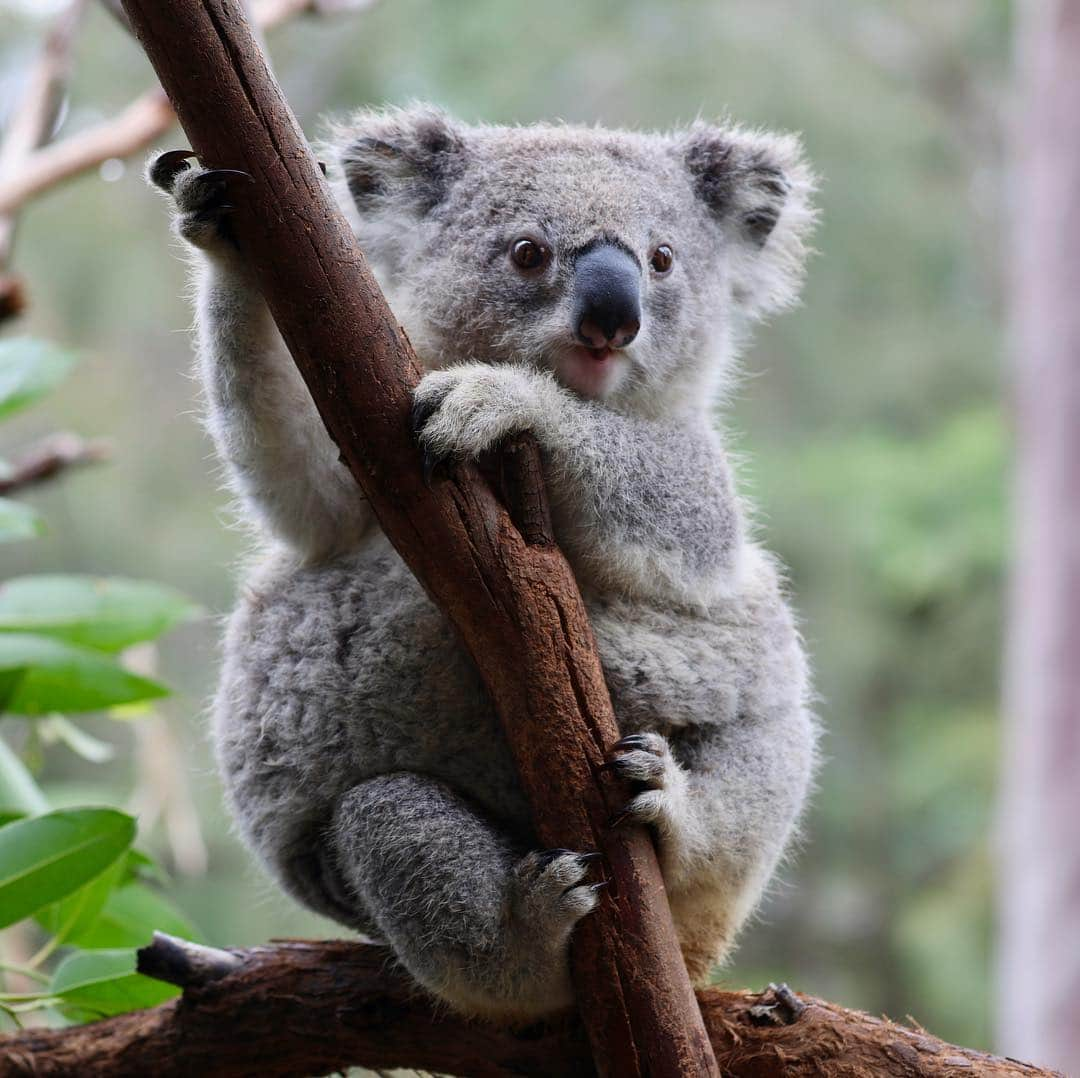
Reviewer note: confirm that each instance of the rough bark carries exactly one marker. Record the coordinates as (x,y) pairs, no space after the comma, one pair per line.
(1039,967)
(300,1009)
(516,605)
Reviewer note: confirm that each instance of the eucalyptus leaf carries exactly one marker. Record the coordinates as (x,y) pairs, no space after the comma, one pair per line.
(106,613)
(45,858)
(129,917)
(39,675)
(67,919)
(105,982)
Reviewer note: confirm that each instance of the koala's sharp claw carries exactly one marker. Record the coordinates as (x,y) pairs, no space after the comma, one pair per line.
(422,411)
(631,741)
(224,175)
(545,857)
(588,858)
(168,166)
(620,818)
(596,888)
(431,464)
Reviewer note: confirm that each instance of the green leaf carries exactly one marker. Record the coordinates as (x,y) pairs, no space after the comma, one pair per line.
(45,858)
(39,675)
(106,613)
(105,982)
(19,793)
(129,917)
(28,370)
(18,521)
(141,866)
(71,916)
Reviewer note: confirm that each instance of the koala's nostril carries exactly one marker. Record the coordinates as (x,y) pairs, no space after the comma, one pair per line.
(626,333)
(596,331)
(607,286)
(591,334)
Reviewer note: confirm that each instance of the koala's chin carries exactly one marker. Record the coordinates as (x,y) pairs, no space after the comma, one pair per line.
(593,373)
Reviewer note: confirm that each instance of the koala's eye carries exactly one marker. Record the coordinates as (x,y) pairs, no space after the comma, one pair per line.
(529,254)
(662,259)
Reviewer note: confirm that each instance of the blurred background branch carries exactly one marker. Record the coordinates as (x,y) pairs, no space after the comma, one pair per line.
(32,164)
(29,126)
(50,456)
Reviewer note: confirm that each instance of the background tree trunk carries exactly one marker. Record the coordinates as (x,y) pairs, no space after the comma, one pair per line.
(1039,970)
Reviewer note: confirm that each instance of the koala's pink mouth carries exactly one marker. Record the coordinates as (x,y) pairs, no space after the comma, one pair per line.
(592,372)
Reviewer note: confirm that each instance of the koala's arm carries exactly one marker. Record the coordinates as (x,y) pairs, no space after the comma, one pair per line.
(642,506)
(278,455)
(276,451)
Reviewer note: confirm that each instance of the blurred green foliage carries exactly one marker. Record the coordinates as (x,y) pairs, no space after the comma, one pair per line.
(869,423)
(69,868)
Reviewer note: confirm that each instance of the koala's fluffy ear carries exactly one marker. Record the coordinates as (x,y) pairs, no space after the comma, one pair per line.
(759,186)
(397,165)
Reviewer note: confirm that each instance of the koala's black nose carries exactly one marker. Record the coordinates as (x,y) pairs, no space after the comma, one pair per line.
(607,297)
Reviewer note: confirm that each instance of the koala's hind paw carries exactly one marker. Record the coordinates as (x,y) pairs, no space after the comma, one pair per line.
(551,895)
(202,197)
(645,759)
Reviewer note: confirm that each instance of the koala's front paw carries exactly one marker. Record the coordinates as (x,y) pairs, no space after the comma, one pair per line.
(549,895)
(646,760)
(202,196)
(465,411)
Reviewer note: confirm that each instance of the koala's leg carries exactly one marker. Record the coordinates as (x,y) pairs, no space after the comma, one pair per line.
(472,921)
(280,459)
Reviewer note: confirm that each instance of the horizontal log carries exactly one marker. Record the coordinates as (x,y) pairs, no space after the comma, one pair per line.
(306,1008)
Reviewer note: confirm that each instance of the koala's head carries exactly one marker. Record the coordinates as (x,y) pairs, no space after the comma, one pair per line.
(624,262)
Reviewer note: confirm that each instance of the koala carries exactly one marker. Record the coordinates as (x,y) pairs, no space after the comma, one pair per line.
(592,287)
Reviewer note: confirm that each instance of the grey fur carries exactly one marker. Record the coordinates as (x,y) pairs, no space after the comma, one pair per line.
(361,756)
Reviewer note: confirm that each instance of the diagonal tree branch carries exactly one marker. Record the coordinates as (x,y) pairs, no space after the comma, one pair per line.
(51,455)
(303,1008)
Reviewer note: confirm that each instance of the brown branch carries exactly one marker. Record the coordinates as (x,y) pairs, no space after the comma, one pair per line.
(50,456)
(303,1008)
(517,606)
